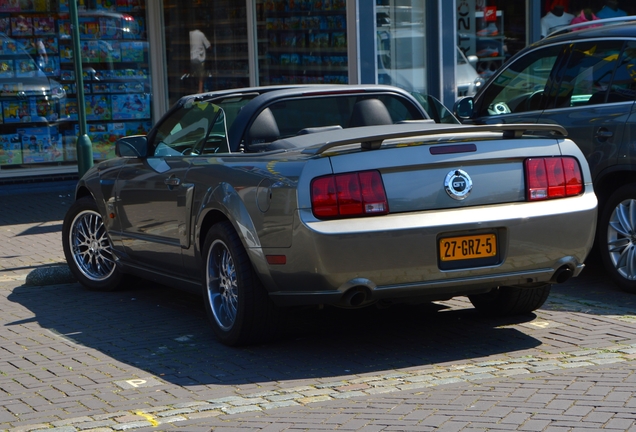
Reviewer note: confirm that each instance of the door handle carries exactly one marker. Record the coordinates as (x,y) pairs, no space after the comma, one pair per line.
(604,134)
(172,181)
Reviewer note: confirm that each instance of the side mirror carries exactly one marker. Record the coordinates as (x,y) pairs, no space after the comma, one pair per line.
(473,59)
(464,108)
(132,146)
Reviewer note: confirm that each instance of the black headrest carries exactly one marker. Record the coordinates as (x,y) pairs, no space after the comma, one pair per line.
(370,112)
(264,129)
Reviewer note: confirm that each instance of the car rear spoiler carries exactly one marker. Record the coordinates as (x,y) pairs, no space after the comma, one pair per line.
(373,140)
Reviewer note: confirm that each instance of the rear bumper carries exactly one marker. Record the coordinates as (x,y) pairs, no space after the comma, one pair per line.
(421,291)
(396,256)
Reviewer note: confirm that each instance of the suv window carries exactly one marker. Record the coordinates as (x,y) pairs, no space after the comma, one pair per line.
(623,86)
(586,78)
(511,90)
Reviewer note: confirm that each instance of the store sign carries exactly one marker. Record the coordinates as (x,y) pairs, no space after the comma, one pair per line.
(466,26)
(490,14)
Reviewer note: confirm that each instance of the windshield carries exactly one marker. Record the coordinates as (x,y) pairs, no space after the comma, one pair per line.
(231,105)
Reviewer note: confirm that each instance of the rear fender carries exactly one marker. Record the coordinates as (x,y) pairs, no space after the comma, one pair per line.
(225,199)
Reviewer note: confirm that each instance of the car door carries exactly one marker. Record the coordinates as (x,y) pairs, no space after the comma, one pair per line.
(623,88)
(583,99)
(152,195)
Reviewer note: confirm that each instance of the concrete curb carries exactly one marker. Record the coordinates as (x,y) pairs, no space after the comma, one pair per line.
(50,275)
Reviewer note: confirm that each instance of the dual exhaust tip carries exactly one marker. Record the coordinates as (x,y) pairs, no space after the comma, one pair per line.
(359,295)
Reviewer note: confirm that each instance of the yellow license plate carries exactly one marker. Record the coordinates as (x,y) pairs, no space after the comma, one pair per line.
(468,247)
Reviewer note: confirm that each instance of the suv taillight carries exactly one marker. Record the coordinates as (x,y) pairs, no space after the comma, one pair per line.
(553,177)
(346,195)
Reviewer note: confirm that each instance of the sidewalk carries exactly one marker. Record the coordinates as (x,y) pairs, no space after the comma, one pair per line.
(30,231)
(146,360)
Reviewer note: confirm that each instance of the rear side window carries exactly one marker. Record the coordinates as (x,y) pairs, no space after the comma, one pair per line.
(289,117)
(623,86)
(587,76)
(294,115)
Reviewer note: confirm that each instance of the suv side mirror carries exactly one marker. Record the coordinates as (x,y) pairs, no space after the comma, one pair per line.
(132,146)
(463,108)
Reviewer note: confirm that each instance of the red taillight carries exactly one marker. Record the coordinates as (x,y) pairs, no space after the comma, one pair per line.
(351,194)
(553,177)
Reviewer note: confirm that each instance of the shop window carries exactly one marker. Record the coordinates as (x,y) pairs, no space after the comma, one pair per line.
(206,46)
(302,42)
(38,94)
(401,45)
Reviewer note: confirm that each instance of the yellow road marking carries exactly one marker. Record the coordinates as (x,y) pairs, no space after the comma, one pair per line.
(148,417)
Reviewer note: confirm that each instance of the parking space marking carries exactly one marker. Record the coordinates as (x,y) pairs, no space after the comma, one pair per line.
(139,382)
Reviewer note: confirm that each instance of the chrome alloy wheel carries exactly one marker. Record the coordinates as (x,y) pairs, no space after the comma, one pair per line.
(222,285)
(91,247)
(621,239)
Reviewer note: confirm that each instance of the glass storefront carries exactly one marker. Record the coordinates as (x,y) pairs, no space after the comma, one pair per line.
(302,42)
(199,45)
(491,31)
(206,46)
(38,97)
(401,44)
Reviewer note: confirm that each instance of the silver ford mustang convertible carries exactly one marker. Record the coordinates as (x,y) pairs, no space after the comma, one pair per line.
(263,200)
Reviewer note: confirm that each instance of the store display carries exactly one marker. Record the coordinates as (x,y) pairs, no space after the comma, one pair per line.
(489,41)
(302,42)
(36,52)
(10,149)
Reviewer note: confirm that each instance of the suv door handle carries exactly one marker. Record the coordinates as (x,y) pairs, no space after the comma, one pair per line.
(604,134)
(172,181)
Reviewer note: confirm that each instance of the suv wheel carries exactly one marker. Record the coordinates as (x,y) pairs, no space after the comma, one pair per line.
(617,237)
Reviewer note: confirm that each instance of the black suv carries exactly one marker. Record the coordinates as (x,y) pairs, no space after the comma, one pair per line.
(585,80)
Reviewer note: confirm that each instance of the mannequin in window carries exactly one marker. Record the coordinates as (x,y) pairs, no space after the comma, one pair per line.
(557,17)
(198,46)
(611,10)
(585,15)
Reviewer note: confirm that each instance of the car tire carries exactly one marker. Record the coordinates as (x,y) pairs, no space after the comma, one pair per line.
(237,304)
(511,300)
(616,237)
(87,247)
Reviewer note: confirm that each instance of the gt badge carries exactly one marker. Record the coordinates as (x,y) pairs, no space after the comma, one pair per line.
(458,184)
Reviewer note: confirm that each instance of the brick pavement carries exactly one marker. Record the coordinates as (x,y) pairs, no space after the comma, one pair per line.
(145,359)
(30,226)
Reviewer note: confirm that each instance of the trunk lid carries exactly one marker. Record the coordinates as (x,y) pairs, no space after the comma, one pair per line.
(446,170)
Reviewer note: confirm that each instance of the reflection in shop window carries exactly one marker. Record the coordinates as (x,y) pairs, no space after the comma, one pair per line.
(38,89)
(401,45)
(225,59)
(302,42)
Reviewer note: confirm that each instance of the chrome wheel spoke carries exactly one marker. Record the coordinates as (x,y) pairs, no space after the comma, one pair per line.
(222,285)
(91,247)
(623,213)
